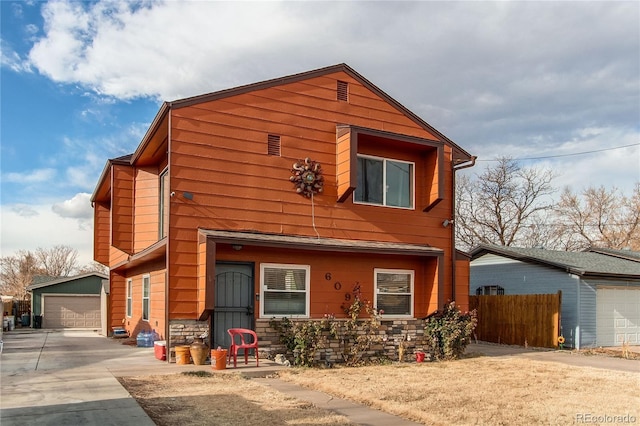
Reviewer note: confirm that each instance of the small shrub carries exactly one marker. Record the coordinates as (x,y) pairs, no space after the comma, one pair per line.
(449,332)
(303,339)
(359,334)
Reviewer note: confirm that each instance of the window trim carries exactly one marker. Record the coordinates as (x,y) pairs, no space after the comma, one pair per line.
(411,294)
(263,289)
(163,198)
(129,298)
(384,182)
(146,280)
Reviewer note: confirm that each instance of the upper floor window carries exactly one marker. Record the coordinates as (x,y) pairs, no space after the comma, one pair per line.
(394,292)
(163,221)
(384,182)
(285,290)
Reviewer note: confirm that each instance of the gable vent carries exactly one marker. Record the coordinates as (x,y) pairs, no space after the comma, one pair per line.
(343,91)
(273,145)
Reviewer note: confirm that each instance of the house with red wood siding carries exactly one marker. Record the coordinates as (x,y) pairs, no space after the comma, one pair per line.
(283,198)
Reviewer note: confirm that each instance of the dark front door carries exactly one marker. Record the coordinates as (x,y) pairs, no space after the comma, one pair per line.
(233,301)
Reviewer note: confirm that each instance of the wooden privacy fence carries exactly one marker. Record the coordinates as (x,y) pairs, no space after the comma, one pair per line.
(519,319)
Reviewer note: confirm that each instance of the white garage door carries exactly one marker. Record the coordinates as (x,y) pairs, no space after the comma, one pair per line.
(618,316)
(71,312)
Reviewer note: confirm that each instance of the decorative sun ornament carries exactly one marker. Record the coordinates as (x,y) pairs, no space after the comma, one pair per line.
(307,177)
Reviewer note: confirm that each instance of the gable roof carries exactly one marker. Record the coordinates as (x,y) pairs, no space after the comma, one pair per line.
(460,156)
(623,254)
(459,153)
(59,280)
(583,263)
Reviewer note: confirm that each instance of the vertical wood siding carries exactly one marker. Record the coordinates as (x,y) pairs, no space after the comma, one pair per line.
(345,173)
(462,284)
(531,319)
(122,211)
(202,276)
(347,269)
(523,278)
(101,232)
(146,219)
(135,323)
(117,301)
(219,154)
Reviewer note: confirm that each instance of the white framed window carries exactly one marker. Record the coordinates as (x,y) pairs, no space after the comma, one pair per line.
(284,290)
(129,297)
(163,202)
(394,292)
(385,182)
(146,284)
(490,290)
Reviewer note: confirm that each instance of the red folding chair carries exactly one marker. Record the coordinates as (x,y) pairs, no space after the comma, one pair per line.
(238,334)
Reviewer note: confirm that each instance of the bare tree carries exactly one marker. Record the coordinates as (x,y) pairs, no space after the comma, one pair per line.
(599,218)
(502,205)
(58,261)
(93,267)
(17,272)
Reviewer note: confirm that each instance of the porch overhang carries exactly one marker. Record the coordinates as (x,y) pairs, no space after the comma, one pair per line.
(209,239)
(152,253)
(320,244)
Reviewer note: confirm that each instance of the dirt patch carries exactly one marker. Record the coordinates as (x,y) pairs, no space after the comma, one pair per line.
(221,399)
(478,390)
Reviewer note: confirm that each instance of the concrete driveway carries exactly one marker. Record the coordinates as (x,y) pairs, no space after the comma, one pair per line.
(69,378)
(549,355)
(65,378)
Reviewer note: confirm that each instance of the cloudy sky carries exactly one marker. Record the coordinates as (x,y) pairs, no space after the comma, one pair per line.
(81,81)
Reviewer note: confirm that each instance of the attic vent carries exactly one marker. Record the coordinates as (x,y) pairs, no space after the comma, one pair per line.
(343,91)
(273,145)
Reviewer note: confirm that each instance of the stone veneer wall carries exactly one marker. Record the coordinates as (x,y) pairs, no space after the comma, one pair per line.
(409,332)
(182,332)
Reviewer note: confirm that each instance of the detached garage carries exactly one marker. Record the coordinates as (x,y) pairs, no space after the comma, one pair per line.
(600,288)
(68,302)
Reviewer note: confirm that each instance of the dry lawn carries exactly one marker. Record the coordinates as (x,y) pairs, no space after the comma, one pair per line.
(221,399)
(482,390)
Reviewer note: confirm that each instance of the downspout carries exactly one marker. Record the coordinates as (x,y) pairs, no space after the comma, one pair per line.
(167,326)
(577,341)
(461,166)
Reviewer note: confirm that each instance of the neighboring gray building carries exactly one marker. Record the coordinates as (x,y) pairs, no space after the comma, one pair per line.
(69,302)
(600,288)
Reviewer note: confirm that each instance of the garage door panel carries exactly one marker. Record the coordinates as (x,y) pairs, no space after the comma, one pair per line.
(618,316)
(71,312)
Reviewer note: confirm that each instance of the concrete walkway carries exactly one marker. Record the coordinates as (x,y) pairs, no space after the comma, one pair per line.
(70,378)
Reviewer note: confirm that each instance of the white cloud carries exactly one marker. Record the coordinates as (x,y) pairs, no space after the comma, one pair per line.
(24,210)
(9,58)
(32,176)
(78,207)
(44,229)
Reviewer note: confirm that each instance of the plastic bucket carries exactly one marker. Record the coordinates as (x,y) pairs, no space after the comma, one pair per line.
(218,359)
(420,356)
(183,355)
